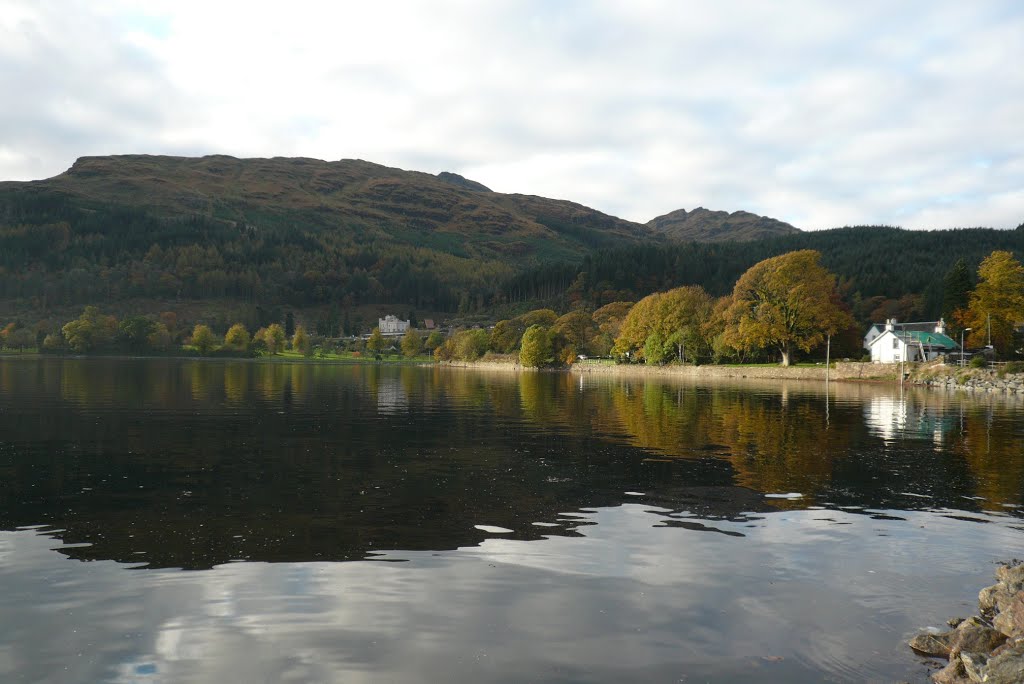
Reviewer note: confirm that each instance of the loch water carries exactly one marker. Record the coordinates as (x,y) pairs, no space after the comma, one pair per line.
(230,521)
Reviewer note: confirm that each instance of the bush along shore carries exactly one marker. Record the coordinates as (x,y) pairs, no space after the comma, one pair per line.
(988,647)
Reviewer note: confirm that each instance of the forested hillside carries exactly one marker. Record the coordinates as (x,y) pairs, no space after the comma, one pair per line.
(873,263)
(295,231)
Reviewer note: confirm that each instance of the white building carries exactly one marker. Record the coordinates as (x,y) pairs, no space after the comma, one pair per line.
(908,342)
(392,325)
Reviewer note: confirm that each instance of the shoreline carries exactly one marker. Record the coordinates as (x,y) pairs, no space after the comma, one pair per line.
(935,377)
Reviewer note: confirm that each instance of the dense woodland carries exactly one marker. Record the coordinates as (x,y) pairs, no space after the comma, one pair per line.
(56,253)
(882,271)
(780,308)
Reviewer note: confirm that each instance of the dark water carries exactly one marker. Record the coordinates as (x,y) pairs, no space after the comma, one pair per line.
(169,521)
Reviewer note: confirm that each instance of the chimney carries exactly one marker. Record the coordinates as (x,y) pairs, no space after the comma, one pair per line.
(890,324)
(940,327)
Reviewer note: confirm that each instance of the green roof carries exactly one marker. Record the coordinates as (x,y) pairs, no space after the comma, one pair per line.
(928,338)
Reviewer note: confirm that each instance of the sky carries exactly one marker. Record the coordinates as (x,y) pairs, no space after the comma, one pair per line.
(821,114)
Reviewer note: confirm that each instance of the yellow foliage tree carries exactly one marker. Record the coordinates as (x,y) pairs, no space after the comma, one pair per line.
(203,339)
(666,324)
(997,301)
(787,302)
(300,341)
(237,337)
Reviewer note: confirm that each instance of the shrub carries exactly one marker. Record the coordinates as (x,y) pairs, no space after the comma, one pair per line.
(1014,367)
(979,362)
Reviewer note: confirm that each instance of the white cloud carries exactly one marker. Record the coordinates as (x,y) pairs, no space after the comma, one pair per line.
(821,115)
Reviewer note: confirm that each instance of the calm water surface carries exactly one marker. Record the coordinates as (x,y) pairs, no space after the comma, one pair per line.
(179,521)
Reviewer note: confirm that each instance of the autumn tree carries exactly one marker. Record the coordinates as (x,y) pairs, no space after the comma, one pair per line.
(784,303)
(376,342)
(6,332)
(666,324)
(571,334)
(470,345)
(300,341)
(506,335)
(997,301)
(464,345)
(535,350)
(272,338)
(203,339)
(90,331)
(412,343)
(237,338)
(608,319)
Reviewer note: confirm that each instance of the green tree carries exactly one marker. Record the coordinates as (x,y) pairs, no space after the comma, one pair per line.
(682,318)
(997,302)
(784,303)
(469,345)
(237,338)
(21,339)
(654,348)
(956,289)
(535,349)
(203,339)
(160,339)
(506,335)
(134,332)
(412,343)
(544,317)
(300,341)
(376,342)
(435,340)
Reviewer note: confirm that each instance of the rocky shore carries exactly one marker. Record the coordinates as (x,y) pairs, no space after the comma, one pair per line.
(988,647)
(974,380)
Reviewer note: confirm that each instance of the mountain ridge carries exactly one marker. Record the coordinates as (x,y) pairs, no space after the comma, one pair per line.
(706,225)
(221,186)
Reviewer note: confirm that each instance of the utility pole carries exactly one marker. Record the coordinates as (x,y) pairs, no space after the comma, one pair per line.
(828,356)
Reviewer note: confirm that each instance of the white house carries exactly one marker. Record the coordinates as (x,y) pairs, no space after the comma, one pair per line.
(391,325)
(908,341)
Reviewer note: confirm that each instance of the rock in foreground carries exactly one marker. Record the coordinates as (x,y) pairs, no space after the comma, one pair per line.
(988,647)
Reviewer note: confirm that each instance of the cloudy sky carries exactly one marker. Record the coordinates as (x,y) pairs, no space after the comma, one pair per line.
(817,113)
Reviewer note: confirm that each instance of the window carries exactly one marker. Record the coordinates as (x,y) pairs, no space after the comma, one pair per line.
(895,343)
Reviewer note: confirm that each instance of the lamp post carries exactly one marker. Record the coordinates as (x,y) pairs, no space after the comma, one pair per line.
(962,346)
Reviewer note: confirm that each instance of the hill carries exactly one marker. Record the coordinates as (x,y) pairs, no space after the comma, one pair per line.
(358,199)
(299,232)
(704,225)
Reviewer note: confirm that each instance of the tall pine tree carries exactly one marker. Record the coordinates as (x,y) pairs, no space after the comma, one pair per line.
(956,289)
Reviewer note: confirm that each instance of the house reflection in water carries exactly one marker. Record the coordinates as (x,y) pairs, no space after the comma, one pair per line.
(900,417)
(391,396)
